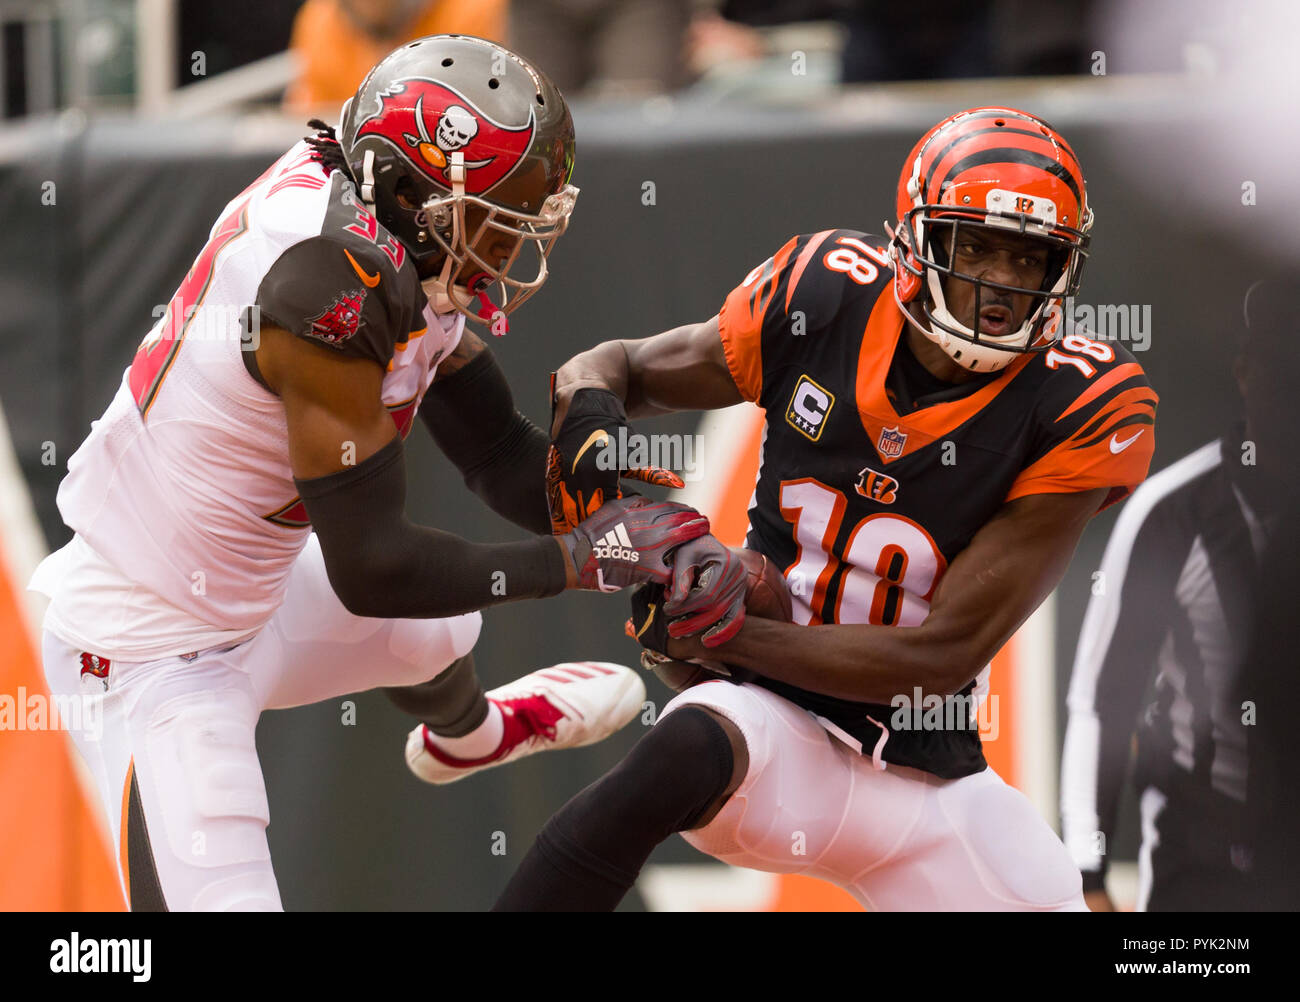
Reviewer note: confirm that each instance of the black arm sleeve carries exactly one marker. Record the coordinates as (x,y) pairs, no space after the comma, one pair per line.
(380,564)
(502,455)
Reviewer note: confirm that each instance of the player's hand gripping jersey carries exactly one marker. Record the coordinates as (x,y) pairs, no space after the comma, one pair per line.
(874,475)
(184,487)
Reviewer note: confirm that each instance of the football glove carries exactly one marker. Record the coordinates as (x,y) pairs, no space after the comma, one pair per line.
(649,623)
(630,541)
(707,592)
(583,465)
(649,626)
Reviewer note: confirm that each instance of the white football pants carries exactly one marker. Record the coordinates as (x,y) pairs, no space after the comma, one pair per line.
(897,840)
(172,751)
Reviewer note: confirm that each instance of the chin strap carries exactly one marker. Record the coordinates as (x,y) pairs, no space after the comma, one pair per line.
(487,310)
(488,313)
(440,290)
(368,181)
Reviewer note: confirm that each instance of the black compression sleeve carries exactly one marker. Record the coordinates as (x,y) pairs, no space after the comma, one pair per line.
(502,455)
(381,564)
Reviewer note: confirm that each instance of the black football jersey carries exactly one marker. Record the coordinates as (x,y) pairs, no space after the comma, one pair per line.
(874,475)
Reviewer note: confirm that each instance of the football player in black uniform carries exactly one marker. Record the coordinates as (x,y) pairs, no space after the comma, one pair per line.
(934,446)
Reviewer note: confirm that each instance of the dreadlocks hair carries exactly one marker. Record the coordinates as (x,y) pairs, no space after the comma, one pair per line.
(326,149)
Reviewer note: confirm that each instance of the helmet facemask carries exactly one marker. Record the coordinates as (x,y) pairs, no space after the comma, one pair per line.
(460,225)
(927,233)
(463,151)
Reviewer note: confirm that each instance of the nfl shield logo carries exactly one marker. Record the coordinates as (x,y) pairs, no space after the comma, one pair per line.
(891,442)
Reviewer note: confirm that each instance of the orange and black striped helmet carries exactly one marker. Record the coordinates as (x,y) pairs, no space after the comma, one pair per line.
(989,168)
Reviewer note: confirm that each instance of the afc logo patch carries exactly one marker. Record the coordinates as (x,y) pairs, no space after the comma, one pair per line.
(891,442)
(877,486)
(810,405)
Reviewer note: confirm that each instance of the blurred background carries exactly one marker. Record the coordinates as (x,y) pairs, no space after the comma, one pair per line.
(708,133)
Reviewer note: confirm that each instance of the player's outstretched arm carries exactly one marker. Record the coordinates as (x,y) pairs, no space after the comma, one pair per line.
(595,393)
(471,414)
(681,369)
(349,468)
(990,589)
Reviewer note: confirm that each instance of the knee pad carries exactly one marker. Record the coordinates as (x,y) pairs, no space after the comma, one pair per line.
(207,787)
(1017,854)
(251,891)
(431,645)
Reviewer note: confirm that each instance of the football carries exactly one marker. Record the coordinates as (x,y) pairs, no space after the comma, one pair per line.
(767,597)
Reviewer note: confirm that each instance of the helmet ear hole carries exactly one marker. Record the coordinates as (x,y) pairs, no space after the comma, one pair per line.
(406,193)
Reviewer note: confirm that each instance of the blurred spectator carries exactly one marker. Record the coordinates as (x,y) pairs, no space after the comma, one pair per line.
(337,41)
(887,41)
(891,41)
(229,35)
(1044,37)
(604,47)
(712,40)
(1181,595)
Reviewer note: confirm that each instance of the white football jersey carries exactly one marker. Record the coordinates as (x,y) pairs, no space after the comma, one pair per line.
(186,513)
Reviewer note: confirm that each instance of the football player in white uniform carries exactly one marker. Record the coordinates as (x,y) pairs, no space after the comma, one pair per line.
(241,542)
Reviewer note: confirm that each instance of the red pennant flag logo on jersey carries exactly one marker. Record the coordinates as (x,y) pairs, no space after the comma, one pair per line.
(428,122)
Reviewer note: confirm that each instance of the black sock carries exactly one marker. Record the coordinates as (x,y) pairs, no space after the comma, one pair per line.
(587,857)
(451,703)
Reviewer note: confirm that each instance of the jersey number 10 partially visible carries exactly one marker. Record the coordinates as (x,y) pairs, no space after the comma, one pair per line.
(890,563)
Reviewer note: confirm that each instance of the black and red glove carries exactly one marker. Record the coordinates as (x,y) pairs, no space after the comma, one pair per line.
(584,464)
(707,593)
(630,541)
(650,626)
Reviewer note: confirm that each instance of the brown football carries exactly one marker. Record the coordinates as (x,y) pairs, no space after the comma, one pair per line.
(767,598)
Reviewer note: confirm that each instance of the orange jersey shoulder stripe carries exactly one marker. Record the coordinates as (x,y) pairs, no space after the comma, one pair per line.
(1143,396)
(740,322)
(801,262)
(1115,376)
(1115,458)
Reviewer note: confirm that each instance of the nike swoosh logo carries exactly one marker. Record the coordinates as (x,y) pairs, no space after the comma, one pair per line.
(648,620)
(1117,446)
(600,436)
(370,280)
